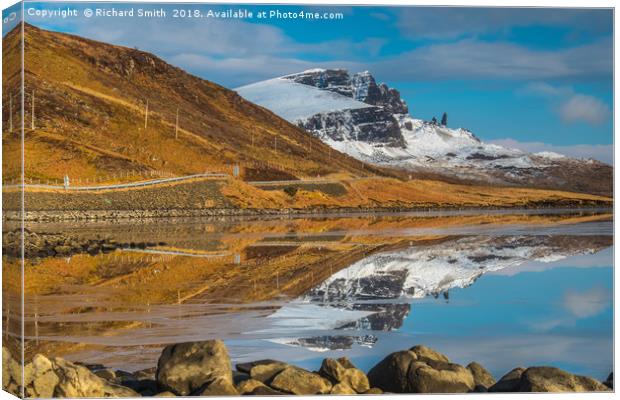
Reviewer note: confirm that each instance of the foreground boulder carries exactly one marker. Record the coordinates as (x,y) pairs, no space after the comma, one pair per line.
(299,381)
(427,354)
(391,374)
(265,372)
(546,379)
(439,377)
(509,382)
(77,381)
(420,370)
(249,385)
(341,389)
(218,387)
(483,379)
(11,373)
(550,379)
(186,368)
(344,376)
(45,378)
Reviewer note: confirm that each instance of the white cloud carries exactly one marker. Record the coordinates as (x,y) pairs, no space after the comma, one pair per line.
(581,107)
(588,303)
(570,105)
(600,152)
(579,305)
(544,89)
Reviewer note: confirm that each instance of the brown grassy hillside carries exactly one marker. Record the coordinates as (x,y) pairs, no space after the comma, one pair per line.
(11,103)
(90,101)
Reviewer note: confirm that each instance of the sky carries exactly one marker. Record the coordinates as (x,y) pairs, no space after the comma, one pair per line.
(532,78)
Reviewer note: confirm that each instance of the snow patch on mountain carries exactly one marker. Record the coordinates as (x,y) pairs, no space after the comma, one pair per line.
(295,101)
(430,145)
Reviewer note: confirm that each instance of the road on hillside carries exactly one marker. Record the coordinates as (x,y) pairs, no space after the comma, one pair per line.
(176,179)
(124,185)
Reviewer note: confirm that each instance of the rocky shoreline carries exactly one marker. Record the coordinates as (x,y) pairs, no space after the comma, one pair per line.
(45,244)
(138,214)
(204,369)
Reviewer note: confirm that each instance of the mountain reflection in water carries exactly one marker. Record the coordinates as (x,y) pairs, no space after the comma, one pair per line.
(287,288)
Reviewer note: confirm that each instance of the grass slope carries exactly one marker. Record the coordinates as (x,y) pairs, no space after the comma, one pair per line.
(90,102)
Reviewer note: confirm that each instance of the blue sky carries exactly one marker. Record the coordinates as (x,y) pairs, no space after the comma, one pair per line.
(538,79)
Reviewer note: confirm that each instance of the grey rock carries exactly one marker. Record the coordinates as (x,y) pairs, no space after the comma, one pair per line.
(248,386)
(509,382)
(106,374)
(425,353)
(345,362)
(247,366)
(40,379)
(218,387)
(78,381)
(551,379)
(266,391)
(439,377)
(165,394)
(186,367)
(342,388)
(391,374)
(352,377)
(332,370)
(482,377)
(266,372)
(301,382)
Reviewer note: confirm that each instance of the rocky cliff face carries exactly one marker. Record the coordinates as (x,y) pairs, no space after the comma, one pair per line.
(367,90)
(361,87)
(372,124)
(375,125)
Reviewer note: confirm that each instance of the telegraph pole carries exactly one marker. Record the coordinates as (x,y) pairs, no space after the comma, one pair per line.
(146,114)
(275,143)
(10,112)
(32,109)
(176,127)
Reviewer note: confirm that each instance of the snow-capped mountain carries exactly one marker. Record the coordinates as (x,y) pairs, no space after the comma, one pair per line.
(332,105)
(370,122)
(375,293)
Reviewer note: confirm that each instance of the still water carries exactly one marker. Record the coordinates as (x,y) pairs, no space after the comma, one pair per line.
(504,289)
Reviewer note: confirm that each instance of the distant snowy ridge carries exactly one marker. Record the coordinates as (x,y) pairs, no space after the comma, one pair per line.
(294,101)
(370,122)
